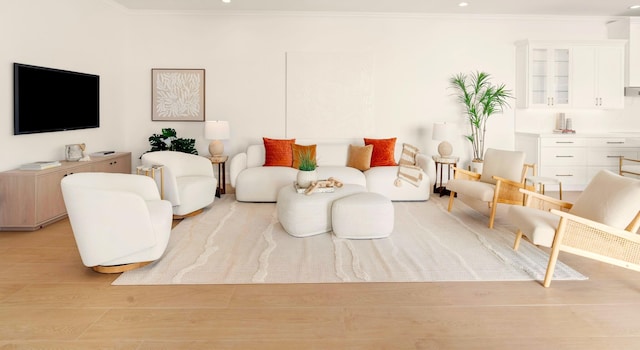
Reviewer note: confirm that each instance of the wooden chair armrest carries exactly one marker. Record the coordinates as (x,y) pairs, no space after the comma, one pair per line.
(544,198)
(459,173)
(598,226)
(629,160)
(504,181)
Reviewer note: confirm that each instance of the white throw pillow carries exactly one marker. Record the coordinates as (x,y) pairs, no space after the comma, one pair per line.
(610,199)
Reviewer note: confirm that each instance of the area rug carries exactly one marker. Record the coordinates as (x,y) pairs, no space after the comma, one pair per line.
(243,243)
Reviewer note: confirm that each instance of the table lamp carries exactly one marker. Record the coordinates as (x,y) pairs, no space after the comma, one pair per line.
(443,132)
(216,130)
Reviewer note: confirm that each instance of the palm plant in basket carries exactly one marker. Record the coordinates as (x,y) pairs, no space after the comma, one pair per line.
(307,169)
(481,99)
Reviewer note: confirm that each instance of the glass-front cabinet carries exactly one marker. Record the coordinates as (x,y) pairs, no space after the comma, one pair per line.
(570,74)
(543,76)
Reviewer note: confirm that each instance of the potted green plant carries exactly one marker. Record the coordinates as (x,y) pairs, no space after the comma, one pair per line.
(169,141)
(481,99)
(307,169)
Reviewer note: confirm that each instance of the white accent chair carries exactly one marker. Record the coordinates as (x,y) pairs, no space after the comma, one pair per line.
(503,174)
(189,182)
(118,220)
(602,224)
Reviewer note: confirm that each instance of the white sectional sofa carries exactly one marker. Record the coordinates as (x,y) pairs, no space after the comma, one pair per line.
(254,182)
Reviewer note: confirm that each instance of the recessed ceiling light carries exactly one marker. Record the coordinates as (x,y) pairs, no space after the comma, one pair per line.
(633,7)
(463,4)
(226,1)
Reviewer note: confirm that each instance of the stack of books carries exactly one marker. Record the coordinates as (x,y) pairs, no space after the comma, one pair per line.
(40,165)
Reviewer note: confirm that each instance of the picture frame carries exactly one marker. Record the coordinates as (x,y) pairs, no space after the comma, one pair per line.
(178,94)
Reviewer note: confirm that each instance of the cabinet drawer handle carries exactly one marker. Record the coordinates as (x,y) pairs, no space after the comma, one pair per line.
(564,156)
(566,142)
(615,142)
(564,175)
(614,156)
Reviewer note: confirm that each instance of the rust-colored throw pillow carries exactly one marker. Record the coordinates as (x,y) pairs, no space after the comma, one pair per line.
(383,151)
(302,149)
(359,157)
(278,152)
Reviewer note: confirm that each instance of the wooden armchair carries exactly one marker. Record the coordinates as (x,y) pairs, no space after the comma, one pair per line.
(502,176)
(602,224)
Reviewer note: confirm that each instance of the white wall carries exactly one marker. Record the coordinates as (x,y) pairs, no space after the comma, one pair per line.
(76,35)
(244,58)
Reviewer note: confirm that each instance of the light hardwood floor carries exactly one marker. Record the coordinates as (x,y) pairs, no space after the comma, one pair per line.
(48,300)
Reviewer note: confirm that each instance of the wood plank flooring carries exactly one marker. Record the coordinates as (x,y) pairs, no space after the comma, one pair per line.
(49,300)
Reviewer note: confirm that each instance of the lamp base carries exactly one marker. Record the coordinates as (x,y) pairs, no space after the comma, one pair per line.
(445,149)
(216,148)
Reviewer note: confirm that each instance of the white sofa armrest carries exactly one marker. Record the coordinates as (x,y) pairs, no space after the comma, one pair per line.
(237,164)
(428,166)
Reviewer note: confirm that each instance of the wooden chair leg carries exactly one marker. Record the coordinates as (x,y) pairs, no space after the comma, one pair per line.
(516,243)
(493,215)
(451,196)
(555,250)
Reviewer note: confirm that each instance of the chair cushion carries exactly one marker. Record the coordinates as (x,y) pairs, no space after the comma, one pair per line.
(506,164)
(475,189)
(610,199)
(538,225)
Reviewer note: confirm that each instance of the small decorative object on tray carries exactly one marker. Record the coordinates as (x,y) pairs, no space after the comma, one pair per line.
(322,186)
(319,190)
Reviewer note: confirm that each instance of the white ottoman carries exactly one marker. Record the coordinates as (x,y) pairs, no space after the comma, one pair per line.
(363,216)
(304,215)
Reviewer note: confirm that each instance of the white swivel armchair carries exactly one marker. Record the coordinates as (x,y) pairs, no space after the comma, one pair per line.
(118,220)
(189,182)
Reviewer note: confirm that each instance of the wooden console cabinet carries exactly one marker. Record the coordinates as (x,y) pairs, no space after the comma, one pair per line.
(30,199)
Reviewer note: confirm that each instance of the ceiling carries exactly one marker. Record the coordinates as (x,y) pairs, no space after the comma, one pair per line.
(485,7)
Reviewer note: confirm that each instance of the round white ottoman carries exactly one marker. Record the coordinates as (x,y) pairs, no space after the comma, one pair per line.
(304,215)
(363,216)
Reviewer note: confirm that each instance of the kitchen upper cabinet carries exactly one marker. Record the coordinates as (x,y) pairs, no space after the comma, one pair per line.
(560,75)
(542,75)
(598,76)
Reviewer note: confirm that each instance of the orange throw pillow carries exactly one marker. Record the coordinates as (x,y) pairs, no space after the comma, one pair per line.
(383,151)
(278,152)
(301,149)
(360,157)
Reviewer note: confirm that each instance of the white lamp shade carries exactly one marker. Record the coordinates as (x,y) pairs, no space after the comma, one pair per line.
(442,131)
(216,130)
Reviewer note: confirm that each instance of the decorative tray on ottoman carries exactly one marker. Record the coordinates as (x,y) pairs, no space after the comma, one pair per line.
(317,190)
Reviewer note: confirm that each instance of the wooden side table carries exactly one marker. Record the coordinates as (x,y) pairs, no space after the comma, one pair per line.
(438,187)
(221,161)
(151,172)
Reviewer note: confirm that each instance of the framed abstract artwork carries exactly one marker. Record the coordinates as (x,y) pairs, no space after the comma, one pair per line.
(177,95)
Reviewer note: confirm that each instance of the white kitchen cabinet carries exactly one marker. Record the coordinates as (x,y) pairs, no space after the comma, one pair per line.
(597,73)
(570,74)
(574,158)
(542,74)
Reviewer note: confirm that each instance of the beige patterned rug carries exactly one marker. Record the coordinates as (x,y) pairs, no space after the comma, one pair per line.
(243,243)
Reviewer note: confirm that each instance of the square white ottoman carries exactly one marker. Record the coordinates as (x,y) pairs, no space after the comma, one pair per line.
(362,216)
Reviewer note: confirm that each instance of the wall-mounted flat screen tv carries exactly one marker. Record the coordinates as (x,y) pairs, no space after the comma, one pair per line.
(48,99)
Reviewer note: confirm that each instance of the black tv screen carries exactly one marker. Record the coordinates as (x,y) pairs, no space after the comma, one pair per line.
(48,99)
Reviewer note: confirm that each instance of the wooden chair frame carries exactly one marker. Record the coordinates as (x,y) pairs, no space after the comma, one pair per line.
(506,191)
(587,238)
(633,161)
